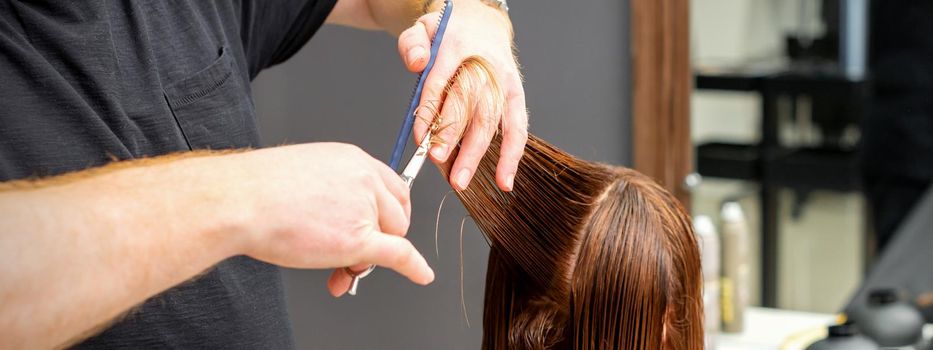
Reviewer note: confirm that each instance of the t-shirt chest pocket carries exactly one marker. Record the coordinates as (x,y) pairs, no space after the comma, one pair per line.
(213,108)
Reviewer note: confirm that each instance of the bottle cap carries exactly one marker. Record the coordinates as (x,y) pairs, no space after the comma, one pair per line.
(703,225)
(732,211)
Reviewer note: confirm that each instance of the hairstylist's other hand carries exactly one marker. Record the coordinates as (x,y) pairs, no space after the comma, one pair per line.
(325,205)
(475,29)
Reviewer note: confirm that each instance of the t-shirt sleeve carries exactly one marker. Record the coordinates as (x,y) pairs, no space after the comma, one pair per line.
(274,30)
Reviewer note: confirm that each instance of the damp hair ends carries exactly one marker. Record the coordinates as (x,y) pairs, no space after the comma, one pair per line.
(583,255)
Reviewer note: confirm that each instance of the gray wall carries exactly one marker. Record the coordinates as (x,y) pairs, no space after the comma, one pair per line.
(350,86)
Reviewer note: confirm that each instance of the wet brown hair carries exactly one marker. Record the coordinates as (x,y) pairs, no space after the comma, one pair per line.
(583,255)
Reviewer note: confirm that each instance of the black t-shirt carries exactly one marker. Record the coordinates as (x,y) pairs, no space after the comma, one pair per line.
(84,82)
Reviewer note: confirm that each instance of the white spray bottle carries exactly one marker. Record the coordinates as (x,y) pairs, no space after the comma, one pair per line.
(709,260)
(735,270)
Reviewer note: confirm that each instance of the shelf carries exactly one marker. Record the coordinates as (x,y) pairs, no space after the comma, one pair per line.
(814,168)
(803,168)
(728,160)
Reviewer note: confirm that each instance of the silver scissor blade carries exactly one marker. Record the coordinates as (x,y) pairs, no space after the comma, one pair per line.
(417,161)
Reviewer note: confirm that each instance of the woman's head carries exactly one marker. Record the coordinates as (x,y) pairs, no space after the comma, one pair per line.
(582,255)
(637,281)
(586,256)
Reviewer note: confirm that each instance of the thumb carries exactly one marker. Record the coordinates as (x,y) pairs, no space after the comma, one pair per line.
(398,254)
(414,46)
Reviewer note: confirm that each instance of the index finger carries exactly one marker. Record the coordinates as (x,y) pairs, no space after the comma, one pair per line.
(431,104)
(445,66)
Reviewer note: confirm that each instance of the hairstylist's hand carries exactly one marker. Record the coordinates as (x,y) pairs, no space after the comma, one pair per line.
(326,205)
(475,29)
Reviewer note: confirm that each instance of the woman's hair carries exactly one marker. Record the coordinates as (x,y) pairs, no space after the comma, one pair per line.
(583,255)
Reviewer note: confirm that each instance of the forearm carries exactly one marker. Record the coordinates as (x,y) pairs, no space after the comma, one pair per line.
(74,256)
(395,16)
(392,16)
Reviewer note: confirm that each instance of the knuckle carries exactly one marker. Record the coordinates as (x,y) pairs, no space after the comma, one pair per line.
(370,179)
(402,255)
(402,228)
(425,114)
(406,225)
(404,197)
(516,93)
(363,177)
(356,238)
(409,33)
(451,132)
(519,133)
(486,123)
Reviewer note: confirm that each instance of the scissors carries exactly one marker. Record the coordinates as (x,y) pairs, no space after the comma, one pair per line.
(408,175)
(417,160)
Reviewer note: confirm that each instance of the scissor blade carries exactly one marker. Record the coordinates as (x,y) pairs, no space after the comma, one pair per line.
(417,161)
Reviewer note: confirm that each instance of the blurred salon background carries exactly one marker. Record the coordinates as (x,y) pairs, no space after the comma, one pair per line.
(812,117)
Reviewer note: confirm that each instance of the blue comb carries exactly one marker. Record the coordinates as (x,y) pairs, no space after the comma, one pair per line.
(409,122)
(414,165)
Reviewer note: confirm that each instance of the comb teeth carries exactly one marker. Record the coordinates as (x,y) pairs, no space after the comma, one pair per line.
(440,19)
(408,124)
(447,4)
